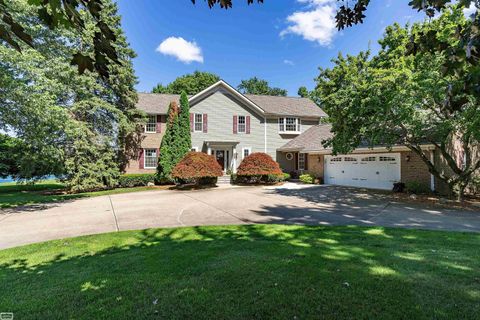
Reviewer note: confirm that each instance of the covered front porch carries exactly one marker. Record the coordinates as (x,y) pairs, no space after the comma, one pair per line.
(225,152)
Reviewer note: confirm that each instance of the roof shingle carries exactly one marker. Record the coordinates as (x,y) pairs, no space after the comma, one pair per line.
(271,105)
(310,140)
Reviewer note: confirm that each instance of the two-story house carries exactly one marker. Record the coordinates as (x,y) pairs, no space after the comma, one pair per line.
(231,125)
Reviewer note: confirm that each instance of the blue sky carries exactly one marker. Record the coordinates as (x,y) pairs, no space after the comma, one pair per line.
(281,41)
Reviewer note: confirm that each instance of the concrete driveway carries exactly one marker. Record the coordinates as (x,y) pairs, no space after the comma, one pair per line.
(289,204)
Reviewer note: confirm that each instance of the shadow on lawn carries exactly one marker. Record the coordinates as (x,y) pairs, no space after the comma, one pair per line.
(251,272)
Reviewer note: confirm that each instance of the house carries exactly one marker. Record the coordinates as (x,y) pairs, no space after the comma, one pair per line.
(231,125)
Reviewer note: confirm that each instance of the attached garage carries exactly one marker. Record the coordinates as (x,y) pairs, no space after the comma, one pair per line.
(377,171)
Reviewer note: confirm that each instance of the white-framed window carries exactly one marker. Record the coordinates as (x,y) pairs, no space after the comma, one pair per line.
(198,118)
(301,161)
(350,159)
(194,149)
(150,158)
(337,159)
(289,124)
(242,124)
(151,126)
(246,152)
(369,159)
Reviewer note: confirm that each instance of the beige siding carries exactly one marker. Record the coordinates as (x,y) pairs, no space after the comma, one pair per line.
(275,140)
(221,107)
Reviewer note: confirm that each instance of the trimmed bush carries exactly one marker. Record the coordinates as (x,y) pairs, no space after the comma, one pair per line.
(417,187)
(135,180)
(307,178)
(286,176)
(259,168)
(197,168)
(258,164)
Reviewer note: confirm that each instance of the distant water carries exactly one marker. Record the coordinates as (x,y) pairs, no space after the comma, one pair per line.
(9,179)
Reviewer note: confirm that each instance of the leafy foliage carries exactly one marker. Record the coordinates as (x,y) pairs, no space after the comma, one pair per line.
(134,180)
(303,92)
(408,96)
(352,11)
(80,127)
(167,158)
(9,148)
(417,187)
(196,167)
(190,83)
(225,4)
(307,178)
(258,86)
(258,164)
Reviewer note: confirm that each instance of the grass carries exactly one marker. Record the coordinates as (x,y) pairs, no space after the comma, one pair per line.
(246,272)
(12,194)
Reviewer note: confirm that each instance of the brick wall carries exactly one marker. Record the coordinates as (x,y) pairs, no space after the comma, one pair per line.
(149,141)
(414,169)
(315,165)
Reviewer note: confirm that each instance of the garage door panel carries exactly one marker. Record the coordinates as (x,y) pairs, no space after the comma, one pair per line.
(377,171)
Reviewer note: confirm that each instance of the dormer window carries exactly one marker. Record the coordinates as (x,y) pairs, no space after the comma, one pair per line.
(289,125)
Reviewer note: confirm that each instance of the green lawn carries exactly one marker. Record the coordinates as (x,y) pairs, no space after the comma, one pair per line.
(246,272)
(12,194)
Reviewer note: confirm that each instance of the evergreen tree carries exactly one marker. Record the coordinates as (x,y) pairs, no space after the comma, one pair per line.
(78,127)
(167,157)
(184,137)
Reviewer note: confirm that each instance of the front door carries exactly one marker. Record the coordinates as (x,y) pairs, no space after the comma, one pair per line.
(220,156)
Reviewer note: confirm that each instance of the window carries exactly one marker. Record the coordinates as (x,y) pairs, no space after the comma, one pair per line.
(350,159)
(246,152)
(301,161)
(242,127)
(194,149)
(369,159)
(289,125)
(198,122)
(387,158)
(289,156)
(150,159)
(337,159)
(151,126)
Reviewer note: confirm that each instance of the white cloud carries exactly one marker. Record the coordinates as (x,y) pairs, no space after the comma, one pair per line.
(289,62)
(185,51)
(315,23)
(469,11)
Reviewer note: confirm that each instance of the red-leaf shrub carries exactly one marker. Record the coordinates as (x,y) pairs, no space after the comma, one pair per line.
(259,164)
(196,167)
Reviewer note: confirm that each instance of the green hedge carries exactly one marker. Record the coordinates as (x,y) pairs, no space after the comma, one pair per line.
(135,180)
(417,187)
(259,179)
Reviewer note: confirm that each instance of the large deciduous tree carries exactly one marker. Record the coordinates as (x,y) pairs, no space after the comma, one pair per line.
(190,83)
(78,127)
(259,86)
(406,95)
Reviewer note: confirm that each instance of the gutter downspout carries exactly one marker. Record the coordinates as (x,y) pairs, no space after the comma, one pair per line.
(265,133)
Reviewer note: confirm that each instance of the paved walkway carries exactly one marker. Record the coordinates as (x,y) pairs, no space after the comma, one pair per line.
(289,204)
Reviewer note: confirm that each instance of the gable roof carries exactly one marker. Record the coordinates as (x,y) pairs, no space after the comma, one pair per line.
(264,105)
(156,102)
(287,106)
(310,140)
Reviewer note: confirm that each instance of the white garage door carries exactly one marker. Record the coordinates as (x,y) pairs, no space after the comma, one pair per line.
(377,171)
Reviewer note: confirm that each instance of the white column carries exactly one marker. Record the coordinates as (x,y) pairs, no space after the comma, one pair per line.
(234,155)
(209,151)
